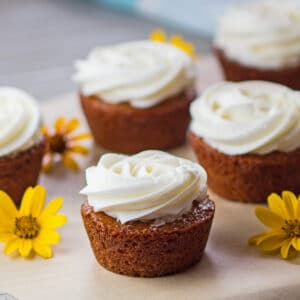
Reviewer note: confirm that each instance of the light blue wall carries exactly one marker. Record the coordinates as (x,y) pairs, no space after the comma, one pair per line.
(194,15)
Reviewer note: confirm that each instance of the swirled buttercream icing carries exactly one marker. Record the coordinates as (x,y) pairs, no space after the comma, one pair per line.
(145,186)
(142,73)
(248,117)
(19,120)
(264,34)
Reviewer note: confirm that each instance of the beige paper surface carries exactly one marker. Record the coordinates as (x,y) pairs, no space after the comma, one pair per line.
(230,268)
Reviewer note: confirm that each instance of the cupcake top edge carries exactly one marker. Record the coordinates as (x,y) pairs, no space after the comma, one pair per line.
(141,73)
(262,34)
(150,185)
(20,120)
(248,117)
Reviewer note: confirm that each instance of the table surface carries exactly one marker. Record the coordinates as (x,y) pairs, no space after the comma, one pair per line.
(230,269)
(40,40)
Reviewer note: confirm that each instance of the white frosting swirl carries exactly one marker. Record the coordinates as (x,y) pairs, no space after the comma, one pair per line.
(142,73)
(145,186)
(263,34)
(19,120)
(248,117)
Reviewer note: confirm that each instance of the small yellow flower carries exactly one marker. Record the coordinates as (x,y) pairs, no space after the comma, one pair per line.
(158,35)
(31,228)
(283,219)
(61,144)
(178,41)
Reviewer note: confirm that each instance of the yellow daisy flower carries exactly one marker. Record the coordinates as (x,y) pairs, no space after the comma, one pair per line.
(176,40)
(283,220)
(32,227)
(62,144)
(158,35)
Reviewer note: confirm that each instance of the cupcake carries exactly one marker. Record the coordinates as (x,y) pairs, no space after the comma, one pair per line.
(148,214)
(261,41)
(21,144)
(136,96)
(247,137)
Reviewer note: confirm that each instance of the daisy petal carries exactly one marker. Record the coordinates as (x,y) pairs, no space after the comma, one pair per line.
(256,239)
(285,248)
(49,237)
(47,163)
(11,246)
(6,225)
(158,36)
(79,149)
(176,40)
(272,243)
(25,208)
(268,218)
(44,130)
(42,249)
(7,206)
(72,125)
(276,205)
(6,236)
(296,243)
(59,124)
(39,196)
(81,136)
(52,208)
(291,204)
(54,221)
(25,246)
(70,163)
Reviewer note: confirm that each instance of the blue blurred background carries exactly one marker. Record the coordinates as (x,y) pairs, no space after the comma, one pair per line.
(41,39)
(199,16)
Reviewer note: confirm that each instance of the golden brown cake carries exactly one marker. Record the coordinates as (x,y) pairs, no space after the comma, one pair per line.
(21,144)
(136,96)
(141,249)
(235,71)
(150,220)
(21,170)
(250,177)
(246,136)
(123,128)
(260,41)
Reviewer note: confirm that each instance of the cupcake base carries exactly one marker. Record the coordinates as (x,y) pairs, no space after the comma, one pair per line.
(234,71)
(21,170)
(123,128)
(248,178)
(141,249)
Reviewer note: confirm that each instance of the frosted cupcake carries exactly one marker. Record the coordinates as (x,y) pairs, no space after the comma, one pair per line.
(261,41)
(147,214)
(21,144)
(247,137)
(136,96)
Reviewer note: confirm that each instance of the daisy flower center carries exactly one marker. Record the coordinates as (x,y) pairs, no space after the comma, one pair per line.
(27,227)
(57,143)
(292,228)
